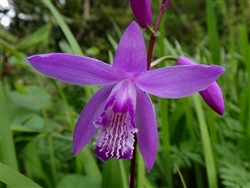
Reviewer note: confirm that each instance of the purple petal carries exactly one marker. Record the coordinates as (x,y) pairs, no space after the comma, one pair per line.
(213,97)
(142,12)
(147,135)
(131,52)
(178,81)
(74,69)
(85,129)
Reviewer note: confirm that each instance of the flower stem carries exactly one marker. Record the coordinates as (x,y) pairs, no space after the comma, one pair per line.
(149,58)
(181,177)
(132,167)
(50,148)
(156,62)
(156,27)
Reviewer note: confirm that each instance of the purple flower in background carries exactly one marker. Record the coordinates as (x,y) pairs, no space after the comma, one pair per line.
(122,107)
(142,12)
(211,95)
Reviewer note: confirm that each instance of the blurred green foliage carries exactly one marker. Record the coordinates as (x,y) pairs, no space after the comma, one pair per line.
(38,114)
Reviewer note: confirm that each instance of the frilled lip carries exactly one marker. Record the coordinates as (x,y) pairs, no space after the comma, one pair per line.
(116,123)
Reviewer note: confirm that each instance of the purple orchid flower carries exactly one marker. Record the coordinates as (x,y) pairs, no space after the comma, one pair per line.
(211,95)
(142,12)
(122,107)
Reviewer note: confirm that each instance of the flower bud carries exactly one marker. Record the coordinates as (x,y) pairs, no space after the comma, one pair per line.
(212,95)
(142,12)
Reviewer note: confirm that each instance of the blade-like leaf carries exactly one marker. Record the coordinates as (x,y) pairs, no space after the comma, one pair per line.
(12,178)
(214,46)
(68,34)
(35,38)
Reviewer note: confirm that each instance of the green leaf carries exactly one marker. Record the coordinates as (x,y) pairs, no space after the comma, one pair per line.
(35,99)
(8,157)
(12,178)
(65,47)
(89,163)
(8,48)
(68,34)
(35,38)
(114,168)
(93,51)
(206,142)
(214,45)
(33,164)
(8,36)
(76,180)
(112,41)
(33,124)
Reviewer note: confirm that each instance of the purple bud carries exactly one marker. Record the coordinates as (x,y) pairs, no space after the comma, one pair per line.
(142,12)
(212,95)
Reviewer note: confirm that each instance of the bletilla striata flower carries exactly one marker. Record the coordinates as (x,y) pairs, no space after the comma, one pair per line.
(122,108)
(142,12)
(211,95)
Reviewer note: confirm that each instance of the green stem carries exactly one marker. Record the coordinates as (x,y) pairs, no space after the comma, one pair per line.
(207,148)
(79,166)
(8,157)
(70,118)
(140,170)
(164,111)
(181,177)
(189,124)
(212,129)
(164,58)
(166,139)
(50,147)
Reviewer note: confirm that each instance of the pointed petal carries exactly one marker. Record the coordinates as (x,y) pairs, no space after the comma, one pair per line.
(213,97)
(85,129)
(178,81)
(145,122)
(74,69)
(131,52)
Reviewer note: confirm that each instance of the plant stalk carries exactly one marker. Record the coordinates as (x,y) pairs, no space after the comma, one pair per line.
(132,167)
(156,27)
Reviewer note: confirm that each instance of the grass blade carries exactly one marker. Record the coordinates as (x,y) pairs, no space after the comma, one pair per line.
(68,34)
(212,32)
(164,114)
(7,143)
(207,148)
(245,49)
(12,178)
(35,38)
(114,168)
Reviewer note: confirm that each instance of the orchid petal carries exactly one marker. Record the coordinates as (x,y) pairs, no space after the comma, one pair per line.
(212,95)
(85,129)
(115,136)
(145,122)
(183,60)
(131,52)
(74,69)
(178,81)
